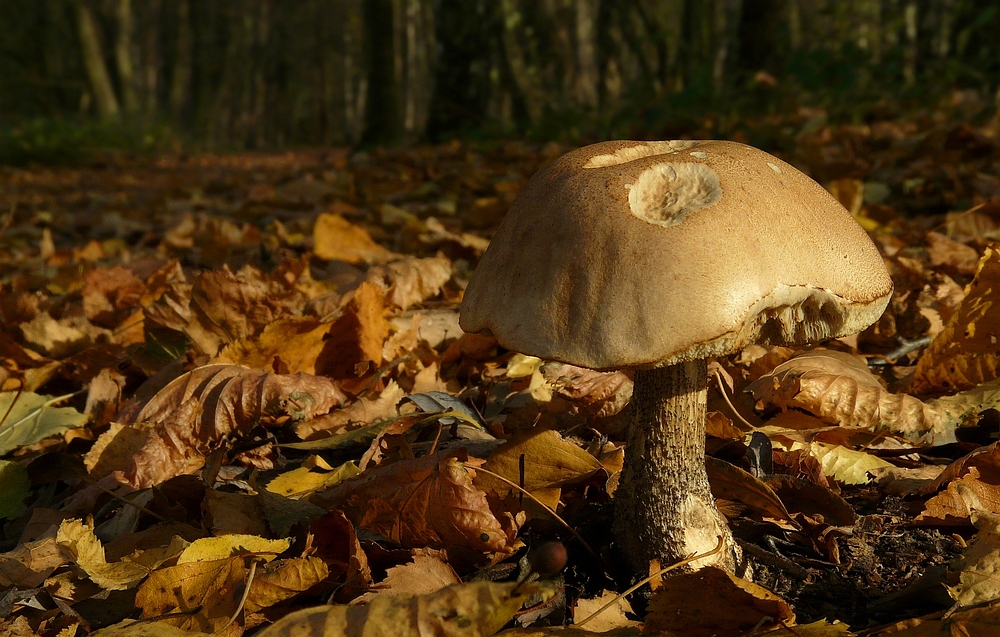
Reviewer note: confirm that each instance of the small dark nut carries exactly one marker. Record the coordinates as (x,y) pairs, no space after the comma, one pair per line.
(549,558)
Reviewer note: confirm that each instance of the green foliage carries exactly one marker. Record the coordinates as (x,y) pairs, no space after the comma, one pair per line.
(66,141)
(14,488)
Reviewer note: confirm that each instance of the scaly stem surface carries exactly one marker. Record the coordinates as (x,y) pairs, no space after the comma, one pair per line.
(664,506)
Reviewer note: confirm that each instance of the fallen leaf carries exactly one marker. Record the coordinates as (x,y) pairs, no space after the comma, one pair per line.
(429,501)
(979,566)
(549,462)
(366,410)
(32,417)
(839,389)
(610,618)
(711,602)
(83,548)
(314,475)
(30,563)
(110,295)
(411,280)
(972,622)
(426,574)
(188,418)
(846,465)
(732,483)
(966,352)
(294,342)
(355,340)
(15,486)
(336,238)
(476,609)
(214,548)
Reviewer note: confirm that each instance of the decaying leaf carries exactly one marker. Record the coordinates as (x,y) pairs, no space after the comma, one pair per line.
(967,352)
(610,618)
(189,417)
(711,602)
(477,609)
(410,281)
(429,501)
(973,485)
(979,566)
(426,574)
(288,345)
(839,389)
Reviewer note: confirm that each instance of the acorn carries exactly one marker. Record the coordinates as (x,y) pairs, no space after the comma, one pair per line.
(549,558)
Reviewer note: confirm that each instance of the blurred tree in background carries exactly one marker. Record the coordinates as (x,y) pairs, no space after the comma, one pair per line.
(266,73)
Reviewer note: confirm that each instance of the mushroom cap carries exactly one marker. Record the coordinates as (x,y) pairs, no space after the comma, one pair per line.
(645,254)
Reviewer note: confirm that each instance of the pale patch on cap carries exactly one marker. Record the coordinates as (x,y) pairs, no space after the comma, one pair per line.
(699,154)
(774,168)
(666,194)
(640,151)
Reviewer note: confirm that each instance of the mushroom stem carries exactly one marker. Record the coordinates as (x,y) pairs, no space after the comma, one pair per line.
(664,507)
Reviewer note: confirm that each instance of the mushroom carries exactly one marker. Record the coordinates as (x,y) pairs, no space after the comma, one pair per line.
(656,256)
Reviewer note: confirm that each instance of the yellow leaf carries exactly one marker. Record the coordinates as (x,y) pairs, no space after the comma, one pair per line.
(843,464)
(304,481)
(475,609)
(78,540)
(966,352)
(214,548)
(335,238)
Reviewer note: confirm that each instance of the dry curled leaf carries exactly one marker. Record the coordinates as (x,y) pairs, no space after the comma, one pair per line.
(838,388)
(191,416)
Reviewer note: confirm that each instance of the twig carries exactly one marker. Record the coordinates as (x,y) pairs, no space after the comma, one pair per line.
(555,515)
(243,600)
(774,559)
(907,347)
(640,583)
(722,390)
(86,478)
(957,217)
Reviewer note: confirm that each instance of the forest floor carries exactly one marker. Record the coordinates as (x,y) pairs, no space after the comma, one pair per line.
(264,349)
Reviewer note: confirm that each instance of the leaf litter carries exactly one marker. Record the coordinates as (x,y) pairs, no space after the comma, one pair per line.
(255,407)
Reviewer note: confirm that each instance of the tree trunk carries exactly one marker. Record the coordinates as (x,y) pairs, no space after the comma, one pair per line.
(93,61)
(525,77)
(586,53)
(124,48)
(180,82)
(383,124)
(664,507)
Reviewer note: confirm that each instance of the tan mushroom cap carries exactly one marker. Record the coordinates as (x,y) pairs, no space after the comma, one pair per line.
(643,254)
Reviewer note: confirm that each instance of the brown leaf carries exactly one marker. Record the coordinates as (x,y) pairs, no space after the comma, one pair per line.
(732,483)
(711,602)
(292,344)
(221,307)
(355,340)
(429,501)
(190,417)
(550,462)
(336,238)
(411,280)
(973,484)
(973,622)
(951,255)
(110,294)
(364,411)
(336,543)
(475,609)
(839,389)
(967,351)
(427,573)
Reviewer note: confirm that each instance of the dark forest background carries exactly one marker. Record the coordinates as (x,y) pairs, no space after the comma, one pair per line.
(236,74)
